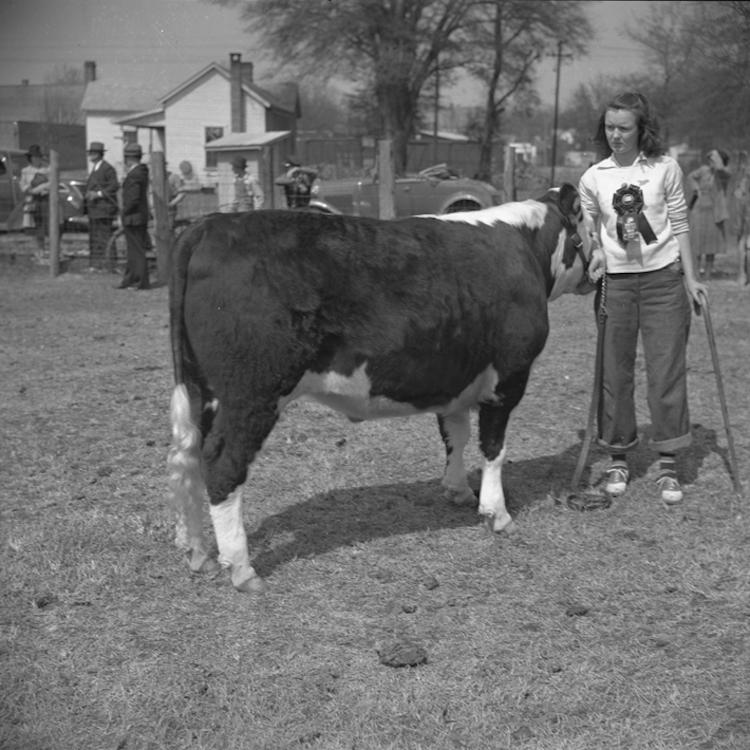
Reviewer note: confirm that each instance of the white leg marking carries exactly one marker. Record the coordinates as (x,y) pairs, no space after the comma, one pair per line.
(232,542)
(491,495)
(458,429)
(187,489)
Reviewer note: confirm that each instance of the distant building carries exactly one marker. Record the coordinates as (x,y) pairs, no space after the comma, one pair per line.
(104,103)
(206,119)
(48,114)
(442,135)
(524,150)
(579,158)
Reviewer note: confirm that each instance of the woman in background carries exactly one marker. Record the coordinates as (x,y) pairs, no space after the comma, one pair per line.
(34,184)
(742,215)
(709,212)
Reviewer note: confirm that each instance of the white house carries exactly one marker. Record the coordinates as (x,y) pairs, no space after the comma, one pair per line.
(104,102)
(216,114)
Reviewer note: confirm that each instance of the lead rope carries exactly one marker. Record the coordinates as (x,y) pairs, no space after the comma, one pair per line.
(602,312)
(575,500)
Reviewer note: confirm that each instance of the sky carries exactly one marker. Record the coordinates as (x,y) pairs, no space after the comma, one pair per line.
(166,41)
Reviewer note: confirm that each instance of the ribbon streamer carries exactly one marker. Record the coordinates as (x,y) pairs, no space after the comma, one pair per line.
(628,203)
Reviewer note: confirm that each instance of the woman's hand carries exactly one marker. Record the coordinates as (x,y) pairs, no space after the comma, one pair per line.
(695,289)
(597,265)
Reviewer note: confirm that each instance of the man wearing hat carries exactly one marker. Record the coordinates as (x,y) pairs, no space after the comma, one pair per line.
(100,203)
(297,182)
(248,194)
(34,184)
(134,216)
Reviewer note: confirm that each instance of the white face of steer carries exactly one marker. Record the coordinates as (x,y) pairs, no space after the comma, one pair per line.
(572,277)
(533,215)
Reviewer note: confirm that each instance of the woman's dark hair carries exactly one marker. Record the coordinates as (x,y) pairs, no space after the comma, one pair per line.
(649,139)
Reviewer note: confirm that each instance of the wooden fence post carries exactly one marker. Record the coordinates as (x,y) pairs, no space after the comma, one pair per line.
(509,174)
(386,205)
(54,213)
(162,228)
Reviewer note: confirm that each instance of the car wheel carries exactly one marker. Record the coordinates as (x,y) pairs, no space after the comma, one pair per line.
(462,205)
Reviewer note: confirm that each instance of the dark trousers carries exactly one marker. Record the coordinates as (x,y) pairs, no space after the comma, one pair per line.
(657,305)
(136,267)
(40,215)
(100,233)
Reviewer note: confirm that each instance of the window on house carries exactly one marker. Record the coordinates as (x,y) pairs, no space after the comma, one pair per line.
(211,134)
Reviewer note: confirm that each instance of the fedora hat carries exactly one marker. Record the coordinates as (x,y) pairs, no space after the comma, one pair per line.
(133,149)
(34,150)
(96,147)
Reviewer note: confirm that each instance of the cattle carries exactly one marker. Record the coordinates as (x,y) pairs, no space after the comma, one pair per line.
(373,318)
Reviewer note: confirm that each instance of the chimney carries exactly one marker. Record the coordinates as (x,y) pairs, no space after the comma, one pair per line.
(89,71)
(237,97)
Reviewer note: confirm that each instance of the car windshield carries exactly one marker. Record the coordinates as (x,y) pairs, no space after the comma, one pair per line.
(439,172)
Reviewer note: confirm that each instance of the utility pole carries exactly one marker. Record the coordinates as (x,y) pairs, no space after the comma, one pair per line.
(436,116)
(559,56)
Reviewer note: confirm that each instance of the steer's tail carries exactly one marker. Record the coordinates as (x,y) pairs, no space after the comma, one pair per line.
(186,482)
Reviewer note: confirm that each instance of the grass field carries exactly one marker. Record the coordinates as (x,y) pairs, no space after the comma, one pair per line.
(626,628)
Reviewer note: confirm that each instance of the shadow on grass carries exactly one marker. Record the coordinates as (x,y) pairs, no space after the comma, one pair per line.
(349,516)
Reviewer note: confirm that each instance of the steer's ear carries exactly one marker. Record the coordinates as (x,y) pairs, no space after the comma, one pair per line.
(570,203)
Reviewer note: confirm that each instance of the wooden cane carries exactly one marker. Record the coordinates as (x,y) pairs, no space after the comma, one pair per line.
(720,388)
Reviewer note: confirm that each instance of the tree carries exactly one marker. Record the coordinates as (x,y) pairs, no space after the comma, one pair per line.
(322,109)
(508,38)
(392,47)
(720,36)
(63,92)
(668,48)
(699,56)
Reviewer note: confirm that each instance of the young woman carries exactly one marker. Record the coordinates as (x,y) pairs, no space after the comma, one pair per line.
(636,198)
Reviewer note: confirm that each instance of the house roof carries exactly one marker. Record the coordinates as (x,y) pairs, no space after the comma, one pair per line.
(234,141)
(153,118)
(283,96)
(118,96)
(444,135)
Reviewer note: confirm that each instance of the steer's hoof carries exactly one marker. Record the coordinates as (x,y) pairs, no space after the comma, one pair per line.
(463,498)
(497,524)
(252,585)
(200,562)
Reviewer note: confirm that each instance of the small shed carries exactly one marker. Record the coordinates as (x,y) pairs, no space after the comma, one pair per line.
(265,154)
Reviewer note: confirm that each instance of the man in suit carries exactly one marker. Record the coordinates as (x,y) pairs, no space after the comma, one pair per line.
(134,216)
(101,203)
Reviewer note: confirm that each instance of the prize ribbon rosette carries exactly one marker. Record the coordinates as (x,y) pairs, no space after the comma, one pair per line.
(628,203)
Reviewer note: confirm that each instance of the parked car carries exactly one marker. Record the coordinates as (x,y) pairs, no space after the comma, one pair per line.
(435,190)
(12,161)
(72,192)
